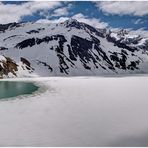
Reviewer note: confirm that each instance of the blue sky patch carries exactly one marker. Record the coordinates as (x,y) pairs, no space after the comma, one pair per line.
(86,10)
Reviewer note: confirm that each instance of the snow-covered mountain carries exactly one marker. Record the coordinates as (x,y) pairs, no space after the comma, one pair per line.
(70,48)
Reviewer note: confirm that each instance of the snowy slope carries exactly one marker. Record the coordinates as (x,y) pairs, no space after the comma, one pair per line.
(72,48)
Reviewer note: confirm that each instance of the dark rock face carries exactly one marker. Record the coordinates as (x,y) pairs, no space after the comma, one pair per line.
(3,48)
(73,23)
(45,64)
(32,31)
(26,43)
(36,41)
(94,30)
(9,66)
(144,46)
(82,48)
(47,39)
(4,27)
(23,60)
(35,31)
(27,64)
(120,44)
(120,61)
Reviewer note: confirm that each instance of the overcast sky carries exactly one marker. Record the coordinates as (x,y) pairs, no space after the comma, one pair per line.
(117,14)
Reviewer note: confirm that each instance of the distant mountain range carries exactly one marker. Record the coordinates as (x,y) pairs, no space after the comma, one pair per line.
(70,48)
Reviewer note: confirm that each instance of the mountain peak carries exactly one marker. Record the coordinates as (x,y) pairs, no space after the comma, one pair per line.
(72,23)
(71,20)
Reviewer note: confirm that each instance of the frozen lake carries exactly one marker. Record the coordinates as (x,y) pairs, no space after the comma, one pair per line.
(80,111)
(10,89)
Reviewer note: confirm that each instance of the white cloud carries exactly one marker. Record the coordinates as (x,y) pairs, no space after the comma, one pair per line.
(141,32)
(61,19)
(136,8)
(80,17)
(91,21)
(139,21)
(43,21)
(60,12)
(13,12)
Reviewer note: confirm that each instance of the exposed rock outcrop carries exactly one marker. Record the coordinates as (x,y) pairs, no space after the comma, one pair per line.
(7,66)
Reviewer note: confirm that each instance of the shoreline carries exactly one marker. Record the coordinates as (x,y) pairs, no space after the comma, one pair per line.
(39,79)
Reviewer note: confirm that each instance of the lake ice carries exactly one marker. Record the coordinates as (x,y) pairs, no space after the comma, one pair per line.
(78,111)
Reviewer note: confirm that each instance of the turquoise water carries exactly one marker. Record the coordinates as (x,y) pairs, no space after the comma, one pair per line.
(12,89)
